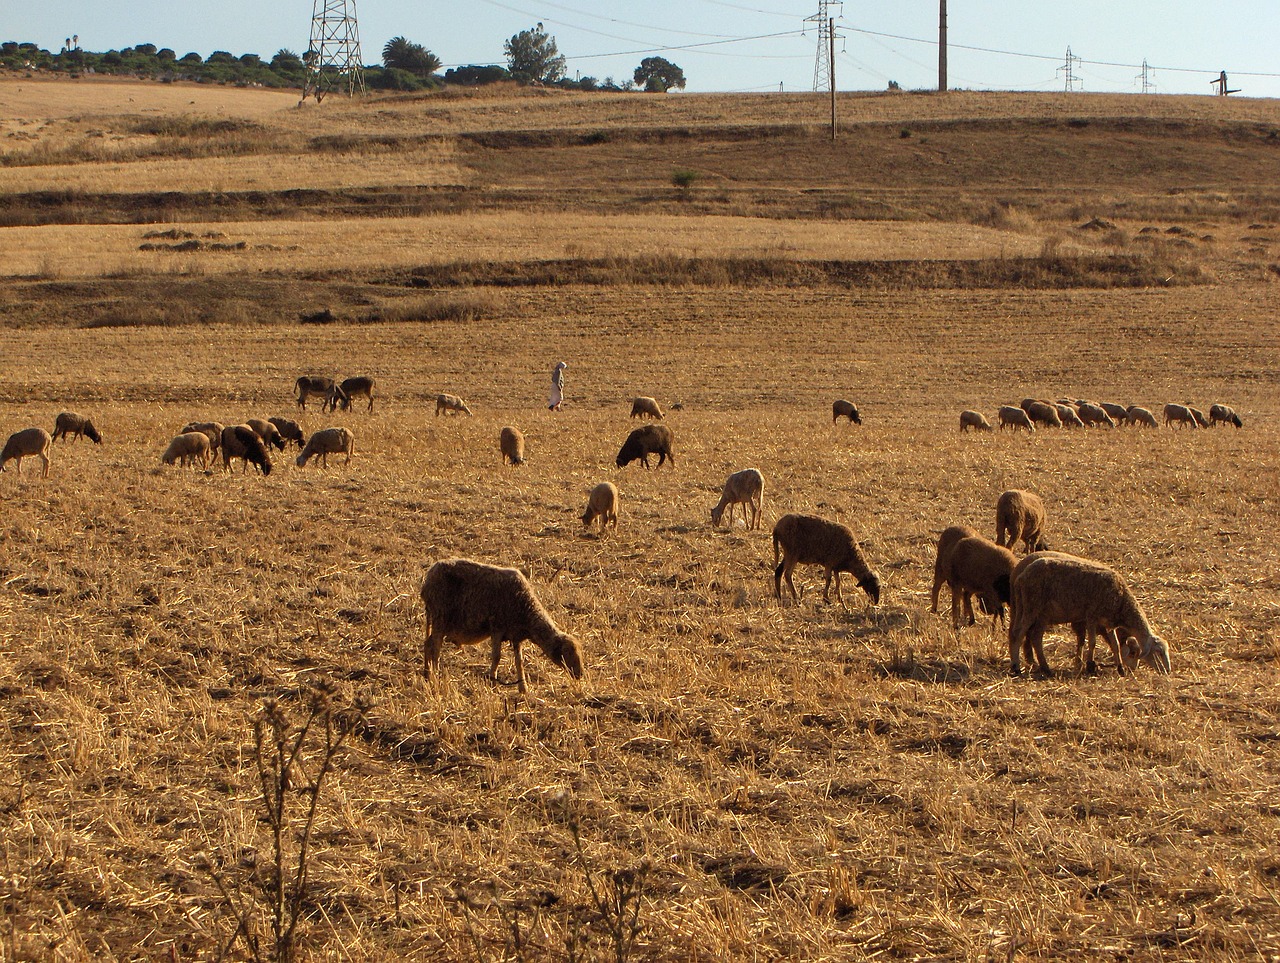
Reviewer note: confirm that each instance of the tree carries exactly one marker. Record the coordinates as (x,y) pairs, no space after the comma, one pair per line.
(658,75)
(401,54)
(533,57)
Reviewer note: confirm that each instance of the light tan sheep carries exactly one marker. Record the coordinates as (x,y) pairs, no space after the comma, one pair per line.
(974,419)
(602,504)
(289,430)
(744,488)
(1042,412)
(977,566)
(1068,415)
(1119,413)
(646,407)
(511,444)
(186,448)
(1011,417)
(212,429)
(70,423)
(1020,515)
(815,541)
(241,441)
(24,443)
(451,405)
(305,387)
(1094,415)
(1053,588)
(1179,415)
(1225,414)
(1200,417)
(326,442)
(268,432)
(845,409)
(467,602)
(1138,415)
(942,559)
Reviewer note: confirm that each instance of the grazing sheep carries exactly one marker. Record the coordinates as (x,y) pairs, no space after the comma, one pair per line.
(974,419)
(326,442)
(1138,415)
(942,560)
(1053,588)
(1119,413)
(1020,515)
(350,389)
(602,504)
(68,422)
(977,566)
(28,441)
(268,432)
(1201,419)
(1093,415)
(467,602)
(212,429)
(451,405)
(306,386)
(845,409)
(1180,414)
(1068,416)
(186,448)
(645,441)
(1042,412)
(289,430)
(646,407)
(744,488)
(816,541)
(1015,418)
(1225,414)
(241,441)
(511,444)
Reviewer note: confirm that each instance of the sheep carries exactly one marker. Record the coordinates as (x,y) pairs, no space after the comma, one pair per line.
(306,386)
(977,566)
(745,488)
(1093,415)
(28,441)
(186,448)
(1015,417)
(1119,413)
(1042,412)
(1138,415)
(1225,414)
(268,432)
(451,404)
(974,419)
(326,442)
(1020,515)
(1201,419)
(816,541)
(511,444)
(646,407)
(1179,414)
(602,504)
(1068,416)
(241,441)
(68,422)
(466,602)
(645,441)
(289,430)
(946,542)
(350,389)
(212,429)
(1052,588)
(845,409)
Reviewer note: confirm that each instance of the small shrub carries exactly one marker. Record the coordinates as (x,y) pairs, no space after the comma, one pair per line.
(461,307)
(684,179)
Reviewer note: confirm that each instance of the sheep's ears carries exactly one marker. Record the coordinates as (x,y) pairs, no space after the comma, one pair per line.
(871,585)
(1155,652)
(1002,587)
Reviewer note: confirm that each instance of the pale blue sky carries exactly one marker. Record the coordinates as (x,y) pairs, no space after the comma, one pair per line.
(609,37)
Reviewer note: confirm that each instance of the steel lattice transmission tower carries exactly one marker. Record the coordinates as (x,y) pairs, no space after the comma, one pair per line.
(823,69)
(333,55)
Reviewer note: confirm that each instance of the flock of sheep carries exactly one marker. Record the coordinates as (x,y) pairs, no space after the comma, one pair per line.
(1079,413)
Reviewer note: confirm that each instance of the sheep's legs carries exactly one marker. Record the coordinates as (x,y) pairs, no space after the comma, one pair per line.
(431,652)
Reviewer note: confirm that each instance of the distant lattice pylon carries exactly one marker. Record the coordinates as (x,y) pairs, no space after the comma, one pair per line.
(822,67)
(333,55)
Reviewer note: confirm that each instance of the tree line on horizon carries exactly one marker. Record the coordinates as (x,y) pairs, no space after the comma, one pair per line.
(532,58)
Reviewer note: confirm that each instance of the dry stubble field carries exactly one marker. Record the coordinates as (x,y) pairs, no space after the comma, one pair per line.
(789,782)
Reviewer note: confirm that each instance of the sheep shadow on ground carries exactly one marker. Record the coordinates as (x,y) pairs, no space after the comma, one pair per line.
(934,669)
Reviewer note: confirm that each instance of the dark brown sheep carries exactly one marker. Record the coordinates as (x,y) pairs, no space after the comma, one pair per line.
(816,541)
(646,441)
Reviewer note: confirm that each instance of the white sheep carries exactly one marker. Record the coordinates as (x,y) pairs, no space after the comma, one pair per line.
(1225,414)
(744,488)
(1092,415)
(1020,515)
(24,443)
(467,602)
(816,541)
(1042,412)
(646,407)
(268,432)
(602,504)
(974,419)
(1180,415)
(1053,588)
(186,448)
(1138,415)
(326,442)
(1015,418)
(451,405)
(212,429)
(1119,413)
(1068,415)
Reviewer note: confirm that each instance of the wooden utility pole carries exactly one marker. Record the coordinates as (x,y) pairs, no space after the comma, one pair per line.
(942,45)
(831,32)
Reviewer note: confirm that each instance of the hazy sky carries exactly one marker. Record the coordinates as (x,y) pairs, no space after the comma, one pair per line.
(610,37)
